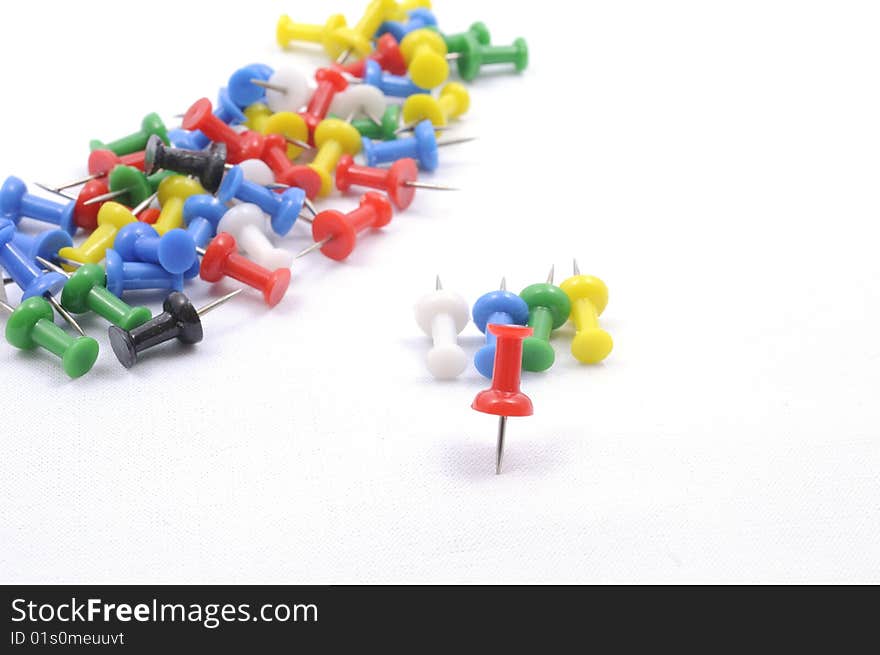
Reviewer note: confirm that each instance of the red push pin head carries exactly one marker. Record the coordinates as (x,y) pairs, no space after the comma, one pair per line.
(504,398)
(336,233)
(86,216)
(221,259)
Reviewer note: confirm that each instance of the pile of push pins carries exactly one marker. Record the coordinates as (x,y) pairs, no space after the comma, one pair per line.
(236,176)
(517,329)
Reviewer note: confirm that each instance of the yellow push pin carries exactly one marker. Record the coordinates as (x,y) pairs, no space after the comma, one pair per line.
(334,138)
(256,115)
(112,217)
(424,52)
(287,31)
(358,39)
(173,192)
(588,296)
(452,103)
(401,11)
(292,127)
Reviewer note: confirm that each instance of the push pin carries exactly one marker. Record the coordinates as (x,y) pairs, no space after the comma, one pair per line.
(334,138)
(277,155)
(421,146)
(417,19)
(43,245)
(202,214)
(111,217)
(151,125)
(394,86)
(387,54)
(101,162)
(30,325)
(242,88)
(16,202)
(366,100)
(221,259)
(258,172)
(588,296)
(173,193)
(292,127)
(500,307)
(442,315)
(86,290)
(129,186)
(330,82)
(399,181)
(456,43)
(283,208)
(287,89)
(387,128)
(504,397)
(239,146)
(226,110)
(452,103)
(125,276)
(424,51)
(549,308)
(30,278)
(175,251)
(208,166)
(179,320)
(287,31)
(473,56)
(247,223)
(358,38)
(336,233)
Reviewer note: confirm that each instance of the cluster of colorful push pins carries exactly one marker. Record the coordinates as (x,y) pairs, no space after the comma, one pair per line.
(518,330)
(236,175)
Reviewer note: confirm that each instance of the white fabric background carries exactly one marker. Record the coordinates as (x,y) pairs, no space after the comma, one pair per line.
(715,163)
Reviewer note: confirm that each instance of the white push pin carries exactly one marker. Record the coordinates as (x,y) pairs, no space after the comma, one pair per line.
(257,171)
(248,224)
(367,100)
(442,315)
(286,90)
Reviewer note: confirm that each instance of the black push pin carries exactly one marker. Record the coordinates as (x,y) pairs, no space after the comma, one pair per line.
(179,319)
(208,166)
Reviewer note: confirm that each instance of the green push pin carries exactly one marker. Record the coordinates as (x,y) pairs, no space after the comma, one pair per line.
(475,55)
(131,183)
(135,141)
(549,308)
(384,131)
(30,325)
(478,31)
(86,290)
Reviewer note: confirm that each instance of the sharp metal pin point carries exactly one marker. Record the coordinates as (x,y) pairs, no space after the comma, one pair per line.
(68,318)
(57,192)
(574,267)
(455,140)
(269,85)
(141,206)
(399,181)
(110,195)
(550,274)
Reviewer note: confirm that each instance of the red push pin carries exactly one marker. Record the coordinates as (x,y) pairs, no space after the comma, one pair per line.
(336,233)
(399,181)
(85,214)
(330,82)
(286,172)
(504,398)
(246,145)
(387,54)
(221,259)
(101,162)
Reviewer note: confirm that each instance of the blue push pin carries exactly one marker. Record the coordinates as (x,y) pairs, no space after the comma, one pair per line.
(242,90)
(127,276)
(500,308)
(395,86)
(421,146)
(283,208)
(418,18)
(15,202)
(45,244)
(175,251)
(226,110)
(202,213)
(32,280)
